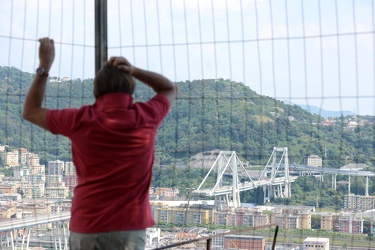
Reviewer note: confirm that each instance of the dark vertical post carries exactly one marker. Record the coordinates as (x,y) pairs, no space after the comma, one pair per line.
(274,238)
(100,33)
(209,243)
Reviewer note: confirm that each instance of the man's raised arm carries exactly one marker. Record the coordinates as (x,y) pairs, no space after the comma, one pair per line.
(32,107)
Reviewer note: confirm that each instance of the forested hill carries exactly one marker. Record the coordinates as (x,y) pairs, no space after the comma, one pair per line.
(208,114)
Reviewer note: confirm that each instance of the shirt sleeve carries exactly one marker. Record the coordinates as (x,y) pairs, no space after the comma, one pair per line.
(154,110)
(62,121)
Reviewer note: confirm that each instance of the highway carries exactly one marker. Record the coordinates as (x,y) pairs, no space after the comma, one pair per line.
(31,222)
(242,186)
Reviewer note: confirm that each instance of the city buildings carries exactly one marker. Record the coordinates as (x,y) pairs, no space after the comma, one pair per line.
(353,202)
(218,241)
(346,223)
(349,224)
(202,214)
(182,215)
(55,167)
(291,218)
(166,192)
(30,178)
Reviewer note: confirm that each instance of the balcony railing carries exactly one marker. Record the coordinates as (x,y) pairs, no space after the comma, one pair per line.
(209,239)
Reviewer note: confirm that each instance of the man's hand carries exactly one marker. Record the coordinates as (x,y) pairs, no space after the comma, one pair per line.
(122,64)
(46,53)
(160,84)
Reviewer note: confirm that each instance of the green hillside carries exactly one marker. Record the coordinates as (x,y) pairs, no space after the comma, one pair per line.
(209,114)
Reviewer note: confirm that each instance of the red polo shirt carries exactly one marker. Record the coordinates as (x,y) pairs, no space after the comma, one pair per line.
(113,150)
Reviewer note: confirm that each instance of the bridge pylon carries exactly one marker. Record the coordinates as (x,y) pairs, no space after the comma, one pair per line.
(275,169)
(226,193)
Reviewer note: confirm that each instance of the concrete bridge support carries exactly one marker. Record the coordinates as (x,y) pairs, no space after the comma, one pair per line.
(276,191)
(334,186)
(349,184)
(20,238)
(221,202)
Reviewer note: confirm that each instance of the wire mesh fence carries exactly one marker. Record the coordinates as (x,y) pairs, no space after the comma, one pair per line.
(252,75)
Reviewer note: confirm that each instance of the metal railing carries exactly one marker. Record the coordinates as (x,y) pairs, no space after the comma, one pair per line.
(209,238)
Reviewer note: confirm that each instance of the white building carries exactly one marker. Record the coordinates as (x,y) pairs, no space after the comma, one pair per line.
(21,172)
(314,160)
(152,237)
(312,243)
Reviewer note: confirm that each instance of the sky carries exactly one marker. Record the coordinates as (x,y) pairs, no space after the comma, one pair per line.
(318,53)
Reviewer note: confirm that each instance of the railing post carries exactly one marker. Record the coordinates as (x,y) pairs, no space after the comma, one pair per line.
(100,33)
(208,244)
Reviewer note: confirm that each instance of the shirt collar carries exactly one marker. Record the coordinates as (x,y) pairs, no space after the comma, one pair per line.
(112,100)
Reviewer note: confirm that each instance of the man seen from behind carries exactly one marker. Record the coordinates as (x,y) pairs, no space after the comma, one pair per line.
(112,145)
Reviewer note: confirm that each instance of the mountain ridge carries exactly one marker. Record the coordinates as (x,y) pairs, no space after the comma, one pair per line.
(208,114)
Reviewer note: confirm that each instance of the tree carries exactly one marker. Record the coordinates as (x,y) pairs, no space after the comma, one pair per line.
(315,221)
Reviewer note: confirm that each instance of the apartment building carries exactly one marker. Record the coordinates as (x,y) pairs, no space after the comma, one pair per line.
(326,222)
(34,207)
(246,217)
(70,181)
(35,178)
(8,188)
(346,223)
(224,217)
(260,219)
(22,154)
(32,190)
(38,169)
(314,160)
(54,180)
(18,157)
(69,169)
(349,224)
(166,192)
(21,172)
(194,215)
(60,207)
(163,215)
(10,159)
(155,205)
(359,202)
(10,197)
(32,160)
(305,219)
(291,218)
(8,210)
(55,167)
(218,241)
(60,192)
(243,217)
(198,216)
(285,221)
